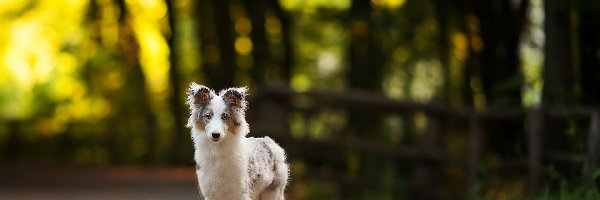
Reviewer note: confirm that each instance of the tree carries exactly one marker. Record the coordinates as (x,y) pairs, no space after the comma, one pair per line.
(179,132)
(365,72)
(558,76)
(589,37)
(217,42)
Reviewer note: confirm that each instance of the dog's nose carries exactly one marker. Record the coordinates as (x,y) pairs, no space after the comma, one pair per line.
(216,135)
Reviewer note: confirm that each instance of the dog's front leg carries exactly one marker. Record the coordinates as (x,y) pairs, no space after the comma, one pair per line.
(201,195)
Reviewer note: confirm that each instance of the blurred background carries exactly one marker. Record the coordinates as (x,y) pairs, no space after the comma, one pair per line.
(379,99)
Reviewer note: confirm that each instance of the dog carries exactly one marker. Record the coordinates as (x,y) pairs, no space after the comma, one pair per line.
(230,165)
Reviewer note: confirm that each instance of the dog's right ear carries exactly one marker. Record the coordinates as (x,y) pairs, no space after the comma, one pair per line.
(199,95)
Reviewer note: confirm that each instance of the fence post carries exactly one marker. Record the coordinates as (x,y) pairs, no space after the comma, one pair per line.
(427,173)
(272,115)
(593,150)
(475,150)
(535,124)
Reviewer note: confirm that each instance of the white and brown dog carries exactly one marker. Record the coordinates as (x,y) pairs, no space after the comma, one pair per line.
(230,165)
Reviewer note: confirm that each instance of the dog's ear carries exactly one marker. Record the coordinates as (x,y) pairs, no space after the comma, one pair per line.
(235,97)
(199,95)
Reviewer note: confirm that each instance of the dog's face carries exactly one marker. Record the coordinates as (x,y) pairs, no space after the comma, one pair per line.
(216,117)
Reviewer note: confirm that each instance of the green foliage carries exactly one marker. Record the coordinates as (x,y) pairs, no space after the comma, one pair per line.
(568,192)
(565,191)
(596,175)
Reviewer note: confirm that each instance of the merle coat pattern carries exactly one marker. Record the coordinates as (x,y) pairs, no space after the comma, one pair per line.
(230,165)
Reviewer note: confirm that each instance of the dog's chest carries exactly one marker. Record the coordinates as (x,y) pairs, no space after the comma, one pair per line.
(222,177)
(220,181)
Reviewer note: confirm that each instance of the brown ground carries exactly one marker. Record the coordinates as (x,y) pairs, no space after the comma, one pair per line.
(97,183)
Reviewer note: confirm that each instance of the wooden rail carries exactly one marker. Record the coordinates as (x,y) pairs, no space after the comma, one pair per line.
(476,119)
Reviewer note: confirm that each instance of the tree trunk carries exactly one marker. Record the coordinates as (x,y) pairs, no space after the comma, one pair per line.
(441,16)
(589,35)
(470,69)
(216,38)
(500,29)
(286,33)
(365,72)
(14,141)
(558,76)
(493,30)
(366,64)
(179,133)
(261,54)
(139,101)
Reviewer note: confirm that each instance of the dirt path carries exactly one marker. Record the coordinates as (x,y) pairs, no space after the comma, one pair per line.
(97,183)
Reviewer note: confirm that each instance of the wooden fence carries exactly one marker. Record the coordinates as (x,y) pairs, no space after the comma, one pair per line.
(275,102)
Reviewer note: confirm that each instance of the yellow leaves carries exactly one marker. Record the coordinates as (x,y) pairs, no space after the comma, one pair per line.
(297,125)
(419,81)
(427,78)
(272,24)
(328,62)
(109,25)
(58,71)
(391,4)
(154,51)
(34,40)
(461,50)
(25,55)
(420,120)
(114,80)
(18,104)
(67,88)
(473,28)
(8,6)
(479,100)
(78,109)
(243,45)
(301,82)
(531,51)
(395,82)
(322,55)
(310,6)
(30,50)
(148,9)
(243,26)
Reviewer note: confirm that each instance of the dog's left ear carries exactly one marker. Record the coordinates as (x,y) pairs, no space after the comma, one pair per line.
(235,97)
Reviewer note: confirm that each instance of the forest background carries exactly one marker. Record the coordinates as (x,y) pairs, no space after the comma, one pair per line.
(354,89)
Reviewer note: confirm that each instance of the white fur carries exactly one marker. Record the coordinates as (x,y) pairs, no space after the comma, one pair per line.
(236,167)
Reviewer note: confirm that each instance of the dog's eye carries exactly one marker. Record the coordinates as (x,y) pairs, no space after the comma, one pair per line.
(208,116)
(224,116)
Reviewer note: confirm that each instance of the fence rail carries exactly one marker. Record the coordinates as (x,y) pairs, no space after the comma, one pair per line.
(282,98)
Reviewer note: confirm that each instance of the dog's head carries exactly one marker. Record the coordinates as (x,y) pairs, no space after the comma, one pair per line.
(217,116)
